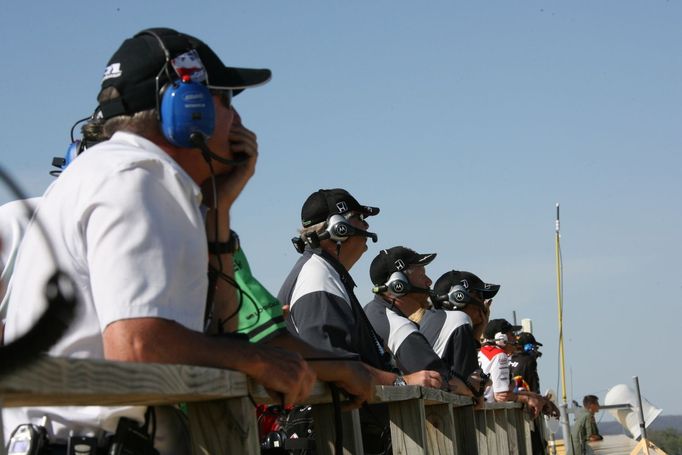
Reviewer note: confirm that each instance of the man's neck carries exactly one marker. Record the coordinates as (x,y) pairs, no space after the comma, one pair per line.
(189,159)
(330,247)
(406,308)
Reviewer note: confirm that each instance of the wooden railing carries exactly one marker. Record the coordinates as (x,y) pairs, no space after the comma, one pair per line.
(222,416)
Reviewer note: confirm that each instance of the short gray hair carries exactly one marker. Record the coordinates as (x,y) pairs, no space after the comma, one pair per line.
(143,123)
(313,229)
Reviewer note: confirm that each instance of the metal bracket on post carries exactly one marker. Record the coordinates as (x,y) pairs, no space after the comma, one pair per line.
(566,428)
(640,413)
(643,441)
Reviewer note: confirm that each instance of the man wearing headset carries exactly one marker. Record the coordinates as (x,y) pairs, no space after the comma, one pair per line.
(499,343)
(524,362)
(455,326)
(401,287)
(126,223)
(323,308)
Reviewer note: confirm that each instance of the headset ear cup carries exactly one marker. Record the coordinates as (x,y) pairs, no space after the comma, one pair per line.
(501,339)
(186,108)
(339,229)
(398,284)
(459,296)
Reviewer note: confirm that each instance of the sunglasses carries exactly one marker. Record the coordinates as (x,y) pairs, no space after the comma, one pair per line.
(357,216)
(225,97)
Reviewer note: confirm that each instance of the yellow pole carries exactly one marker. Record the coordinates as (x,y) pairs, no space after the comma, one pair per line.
(560,298)
(563,406)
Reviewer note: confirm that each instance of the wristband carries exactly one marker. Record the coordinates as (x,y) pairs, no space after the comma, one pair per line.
(229,247)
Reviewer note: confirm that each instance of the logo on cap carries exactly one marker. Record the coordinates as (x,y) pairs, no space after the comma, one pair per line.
(189,64)
(465,283)
(342,206)
(112,71)
(399,264)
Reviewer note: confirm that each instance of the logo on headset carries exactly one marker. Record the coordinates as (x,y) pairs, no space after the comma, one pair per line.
(341,229)
(459,296)
(398,287)
(342,206)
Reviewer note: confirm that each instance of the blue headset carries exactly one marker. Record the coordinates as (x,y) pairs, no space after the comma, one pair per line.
(184,107)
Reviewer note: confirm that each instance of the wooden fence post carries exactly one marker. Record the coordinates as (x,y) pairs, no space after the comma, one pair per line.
(224,427)
(466,433)
(440,429)
(325,434)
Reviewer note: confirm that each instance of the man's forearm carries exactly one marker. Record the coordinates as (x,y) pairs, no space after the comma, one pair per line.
(225,302)
(326,370)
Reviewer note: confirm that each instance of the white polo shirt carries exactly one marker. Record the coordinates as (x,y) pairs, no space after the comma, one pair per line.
(495,363)
(14,217)
(125,223)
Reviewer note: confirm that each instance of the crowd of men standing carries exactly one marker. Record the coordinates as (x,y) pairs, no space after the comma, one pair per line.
(141,221)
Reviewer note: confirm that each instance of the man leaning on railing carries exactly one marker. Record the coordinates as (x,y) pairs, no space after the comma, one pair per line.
(127,225)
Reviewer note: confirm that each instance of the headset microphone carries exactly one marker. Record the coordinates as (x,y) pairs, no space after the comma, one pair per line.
(199,141)
(348,231)
(339,229)
(367,234)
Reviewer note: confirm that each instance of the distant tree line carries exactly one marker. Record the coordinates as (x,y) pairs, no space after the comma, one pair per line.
(669,440)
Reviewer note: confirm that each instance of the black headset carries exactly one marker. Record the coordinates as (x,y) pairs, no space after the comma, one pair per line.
(338,229)
(398,284)
(457,298)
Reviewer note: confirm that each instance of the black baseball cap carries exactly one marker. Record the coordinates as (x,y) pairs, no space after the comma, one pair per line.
(133,69)
(528,338)
(499,326)
(395,259)
(324,203)
(466,279)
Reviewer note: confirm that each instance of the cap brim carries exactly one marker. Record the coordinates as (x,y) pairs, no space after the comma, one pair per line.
(425,259)
(237,79)
(488,291)
(369,211)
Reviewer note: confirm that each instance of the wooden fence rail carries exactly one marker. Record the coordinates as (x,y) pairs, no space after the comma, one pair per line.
(222,416)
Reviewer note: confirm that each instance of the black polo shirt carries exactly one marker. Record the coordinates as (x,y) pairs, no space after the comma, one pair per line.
(403,338)
(324,311)
(452,337)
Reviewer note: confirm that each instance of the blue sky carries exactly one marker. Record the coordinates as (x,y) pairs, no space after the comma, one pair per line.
(464,121)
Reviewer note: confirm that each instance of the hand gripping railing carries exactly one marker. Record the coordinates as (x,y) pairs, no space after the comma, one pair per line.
(222,415)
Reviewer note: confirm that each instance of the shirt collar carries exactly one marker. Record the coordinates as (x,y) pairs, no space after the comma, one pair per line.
(336,265)
(150,147)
